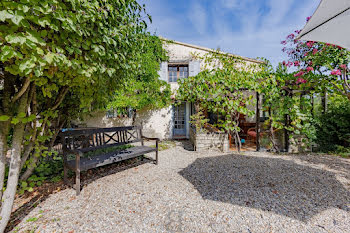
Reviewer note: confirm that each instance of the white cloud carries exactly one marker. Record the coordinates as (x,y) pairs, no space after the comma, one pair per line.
(251,28)
(198,17)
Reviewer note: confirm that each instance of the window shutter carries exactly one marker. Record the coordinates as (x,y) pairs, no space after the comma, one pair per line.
(163,72)
(194,68)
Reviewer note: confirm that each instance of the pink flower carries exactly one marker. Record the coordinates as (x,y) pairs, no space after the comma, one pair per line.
(310,44)
(300,73)
(301,80)
(336,72)
(296,63)
(297,31)
(308,18)
(290,36)
(305,54)
(283,42)
(309,68)
(343,66)
(289,64)
(314,51)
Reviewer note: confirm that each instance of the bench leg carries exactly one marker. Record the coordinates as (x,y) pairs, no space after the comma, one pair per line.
(77,174)
(157,152)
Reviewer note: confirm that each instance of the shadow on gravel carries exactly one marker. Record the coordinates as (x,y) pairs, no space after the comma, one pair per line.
(269,184)
(333,162)
(40,194)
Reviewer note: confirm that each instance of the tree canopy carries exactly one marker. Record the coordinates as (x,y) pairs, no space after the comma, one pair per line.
(144,90)
(58,59)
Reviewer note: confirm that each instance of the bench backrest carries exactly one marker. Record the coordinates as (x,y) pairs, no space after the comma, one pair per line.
(98,138)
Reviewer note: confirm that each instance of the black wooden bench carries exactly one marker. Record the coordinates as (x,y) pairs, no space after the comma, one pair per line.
(80,141)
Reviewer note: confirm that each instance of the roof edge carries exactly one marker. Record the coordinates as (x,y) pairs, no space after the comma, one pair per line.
(211,50)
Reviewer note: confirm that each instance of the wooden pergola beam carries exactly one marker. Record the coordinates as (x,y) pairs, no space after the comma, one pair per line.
(257,120)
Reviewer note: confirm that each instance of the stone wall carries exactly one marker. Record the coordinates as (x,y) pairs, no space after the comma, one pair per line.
(208,140)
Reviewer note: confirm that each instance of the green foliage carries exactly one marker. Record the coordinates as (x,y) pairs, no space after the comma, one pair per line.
(287,102)
(333,127)
(48,170)
(199,119)
(51,169)
(222,88)
(144,89)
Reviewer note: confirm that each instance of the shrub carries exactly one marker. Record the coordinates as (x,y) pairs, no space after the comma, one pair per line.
(333,127)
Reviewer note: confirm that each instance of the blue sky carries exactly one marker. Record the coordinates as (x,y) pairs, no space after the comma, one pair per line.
(250,28)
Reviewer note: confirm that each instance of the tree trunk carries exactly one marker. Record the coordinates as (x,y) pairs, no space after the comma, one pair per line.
(14,169)
(4,129)
(134,117)
(30,168)
(238,138)
(35,159)
(3,152)
(272,133)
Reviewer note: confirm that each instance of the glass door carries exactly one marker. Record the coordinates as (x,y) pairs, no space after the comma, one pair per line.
(179,120)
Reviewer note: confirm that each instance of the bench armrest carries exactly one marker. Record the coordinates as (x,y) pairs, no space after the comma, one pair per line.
(147,138)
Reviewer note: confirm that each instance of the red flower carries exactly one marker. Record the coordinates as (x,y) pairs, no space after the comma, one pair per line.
(343,66)
(339,47)
(283,42)
(290,36)
(296,63)
(314,51)
(301,80)
(300,73)
(308,18)
(309,68)
(310,44)
(336,72)
(284,63)
(289,64)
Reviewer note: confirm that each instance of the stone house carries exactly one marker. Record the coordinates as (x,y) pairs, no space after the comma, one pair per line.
(172,122)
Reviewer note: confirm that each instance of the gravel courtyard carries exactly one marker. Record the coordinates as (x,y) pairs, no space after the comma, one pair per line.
(206,192)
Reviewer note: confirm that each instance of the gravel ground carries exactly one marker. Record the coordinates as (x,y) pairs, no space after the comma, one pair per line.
(207,192)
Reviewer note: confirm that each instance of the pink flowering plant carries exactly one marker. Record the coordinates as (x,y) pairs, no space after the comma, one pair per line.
(322,65)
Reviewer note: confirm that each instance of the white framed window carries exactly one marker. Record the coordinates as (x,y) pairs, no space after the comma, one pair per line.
(177,72)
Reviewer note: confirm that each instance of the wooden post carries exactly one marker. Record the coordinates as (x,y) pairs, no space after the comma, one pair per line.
(141,136)
(287,123)
(64,150)
(312,104)
(286,134)
(257,118)
(156,152)
(77,173)
(324,102)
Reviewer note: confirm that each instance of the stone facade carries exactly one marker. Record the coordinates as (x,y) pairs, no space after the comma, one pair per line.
(203,140)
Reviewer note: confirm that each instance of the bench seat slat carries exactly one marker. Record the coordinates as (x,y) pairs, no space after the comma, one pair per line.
(111,157)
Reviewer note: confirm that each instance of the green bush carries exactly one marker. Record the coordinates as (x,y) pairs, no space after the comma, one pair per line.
(333,127)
